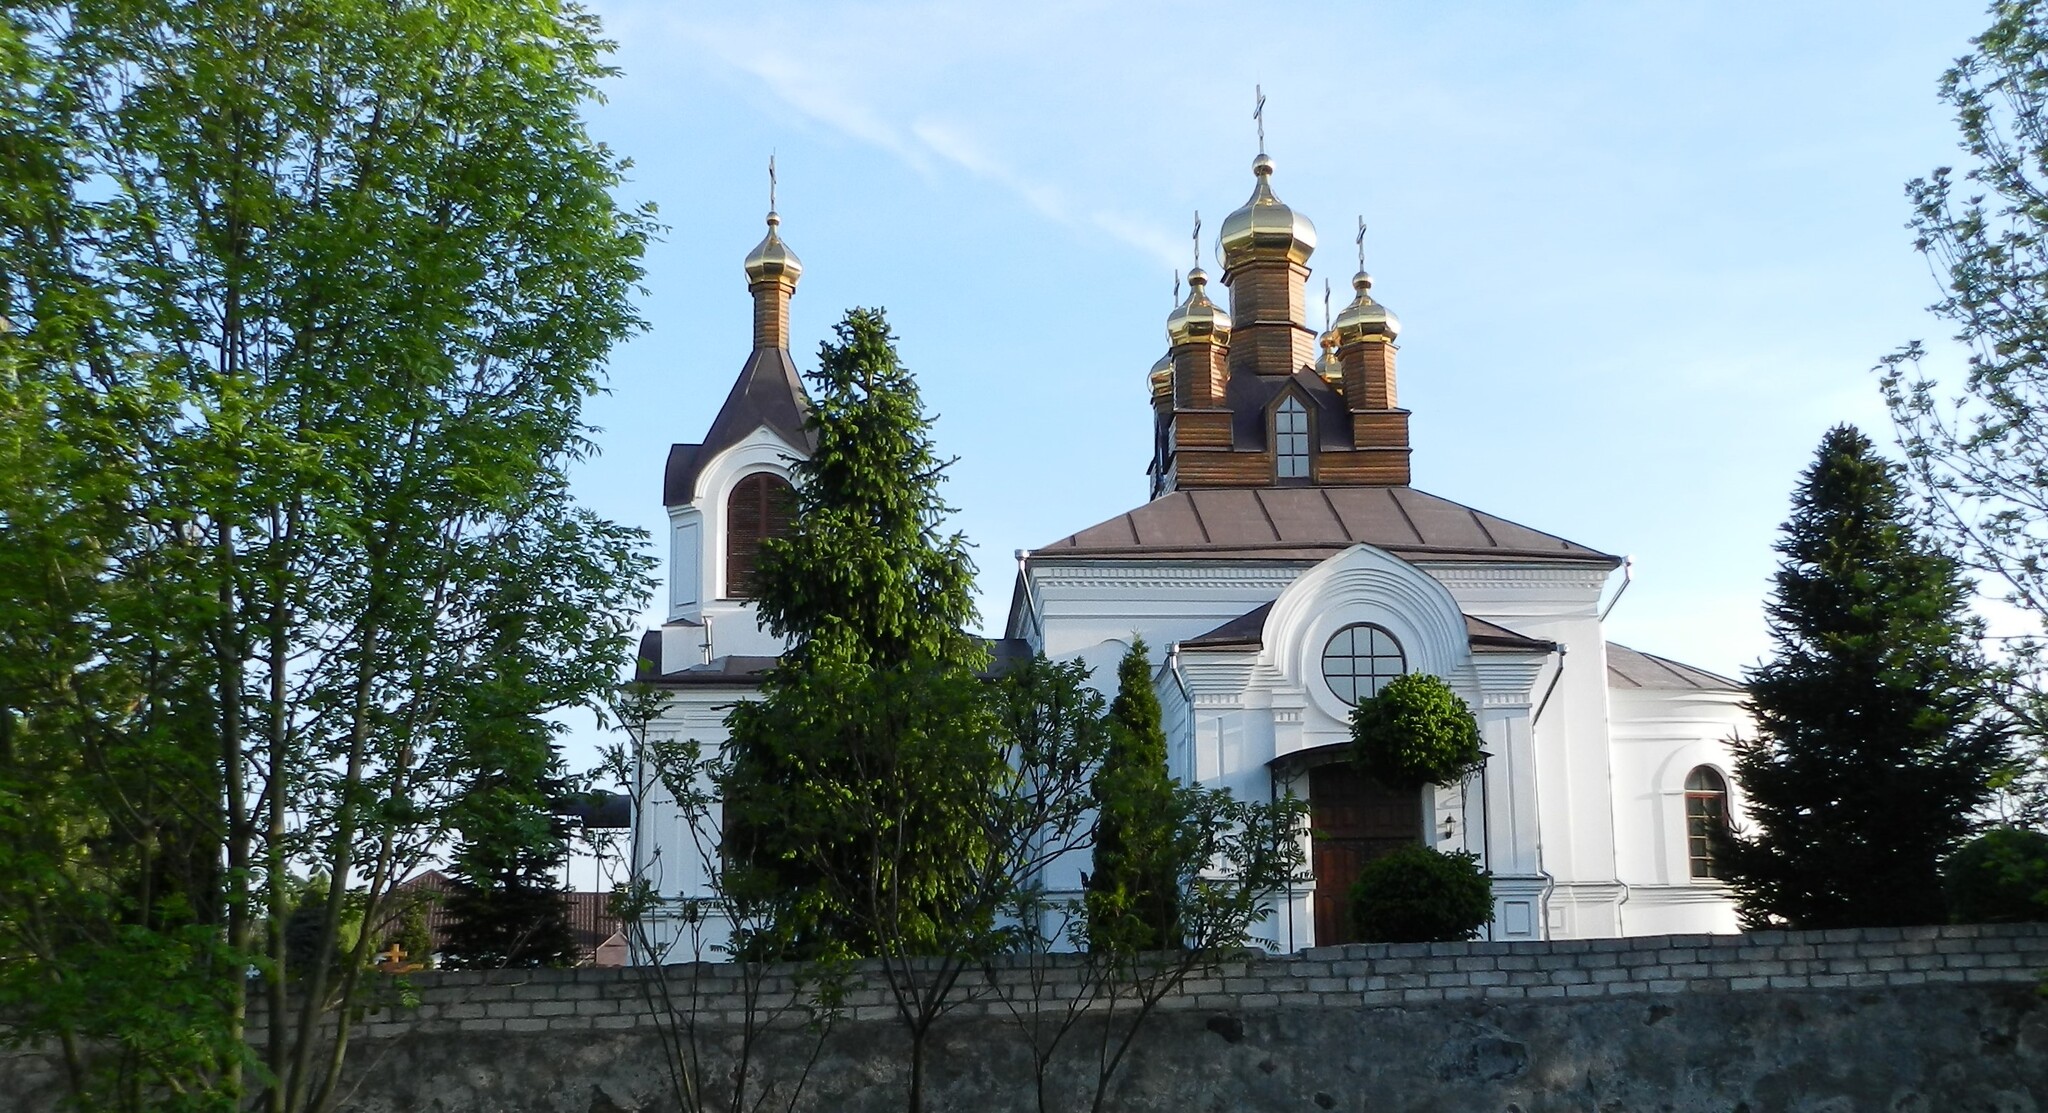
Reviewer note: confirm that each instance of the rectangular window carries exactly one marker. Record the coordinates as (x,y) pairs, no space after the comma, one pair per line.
(1702,819)
(1290,440)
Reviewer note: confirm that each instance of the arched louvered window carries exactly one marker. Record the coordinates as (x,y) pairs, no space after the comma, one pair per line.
(1706,814)
(1290,439)
(760,507)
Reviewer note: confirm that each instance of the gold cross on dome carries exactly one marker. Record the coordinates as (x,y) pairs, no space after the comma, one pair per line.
(1361,243)
(1259,115)
(1198,237)
(771,181)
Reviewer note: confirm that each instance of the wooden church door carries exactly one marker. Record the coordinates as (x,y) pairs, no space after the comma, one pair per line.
(1353,819)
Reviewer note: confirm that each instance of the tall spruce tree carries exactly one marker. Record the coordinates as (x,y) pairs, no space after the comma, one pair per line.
(1133,898)
(862,783)
(875,709)
(1873,747)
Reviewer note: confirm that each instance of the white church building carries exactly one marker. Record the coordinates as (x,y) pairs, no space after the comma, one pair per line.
(1282,569)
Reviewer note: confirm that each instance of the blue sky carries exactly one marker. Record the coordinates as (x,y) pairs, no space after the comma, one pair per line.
(1644,254)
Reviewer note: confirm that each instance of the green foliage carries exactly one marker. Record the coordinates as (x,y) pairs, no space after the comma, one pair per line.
(303,300)
(859,781)
(1416,731)
(508,920)
(1973,449)
(506,907)
(1873,747)
(865,576)
(1418,895)
(1999,877)
(1132,891)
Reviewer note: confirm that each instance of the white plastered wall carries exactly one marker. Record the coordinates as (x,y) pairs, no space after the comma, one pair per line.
(697,533)
(670,853)
(1567,734)
(1661,736)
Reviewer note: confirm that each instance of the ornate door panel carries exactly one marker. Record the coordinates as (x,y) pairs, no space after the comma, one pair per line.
(1353,819)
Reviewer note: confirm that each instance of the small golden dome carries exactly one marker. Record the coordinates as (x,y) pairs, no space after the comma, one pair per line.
(1327,366)
(1197,320)
(1365,317)
(1161,377)
(772,259)
(1265,228)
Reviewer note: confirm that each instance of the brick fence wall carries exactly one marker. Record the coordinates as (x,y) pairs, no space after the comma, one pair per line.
(1916,1020)
(1349,977)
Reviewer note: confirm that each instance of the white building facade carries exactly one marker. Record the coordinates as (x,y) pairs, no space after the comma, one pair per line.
(1283,569)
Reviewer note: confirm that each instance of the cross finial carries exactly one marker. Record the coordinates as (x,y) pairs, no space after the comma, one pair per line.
(1259,115)
(1198,237)
(1361,243)
(1176,285)
(1326,305)
(771,181)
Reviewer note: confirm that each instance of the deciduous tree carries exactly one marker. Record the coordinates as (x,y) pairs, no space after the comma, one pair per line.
(304,299)
(1973,436)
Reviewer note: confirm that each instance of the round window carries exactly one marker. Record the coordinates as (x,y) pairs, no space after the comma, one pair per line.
(1360,659)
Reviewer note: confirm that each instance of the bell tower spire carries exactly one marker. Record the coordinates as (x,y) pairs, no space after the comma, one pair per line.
(1366,331)
(772,273)
(1266,246)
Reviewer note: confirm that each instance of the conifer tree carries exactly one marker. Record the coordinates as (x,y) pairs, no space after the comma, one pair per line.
(875,709)
(1132,898)
(507,908)
(862,785)
(1873,747)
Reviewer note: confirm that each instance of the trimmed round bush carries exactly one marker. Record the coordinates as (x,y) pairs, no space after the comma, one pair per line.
(1416,731)
(1999,877)
(1418,895)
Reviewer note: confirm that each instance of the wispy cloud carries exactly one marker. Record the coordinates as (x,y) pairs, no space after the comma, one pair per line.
(816,76)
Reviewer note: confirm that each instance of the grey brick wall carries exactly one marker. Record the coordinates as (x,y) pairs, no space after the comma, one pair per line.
(1892,1021)
(1338,977)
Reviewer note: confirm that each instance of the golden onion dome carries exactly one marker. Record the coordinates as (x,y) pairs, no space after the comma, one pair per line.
(772,259)
(1197,320)
(1365,317)
(1161,378)
(1327,366)
(1265,228)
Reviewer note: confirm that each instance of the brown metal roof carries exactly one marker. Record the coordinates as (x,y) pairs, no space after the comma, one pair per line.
(1311,523)
(767,394)
(746,672)
(1247,631)
(1632,668)
(1486,636)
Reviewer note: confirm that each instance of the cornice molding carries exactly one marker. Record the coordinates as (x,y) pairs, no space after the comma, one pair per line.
(1048,572)
(1514,576)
